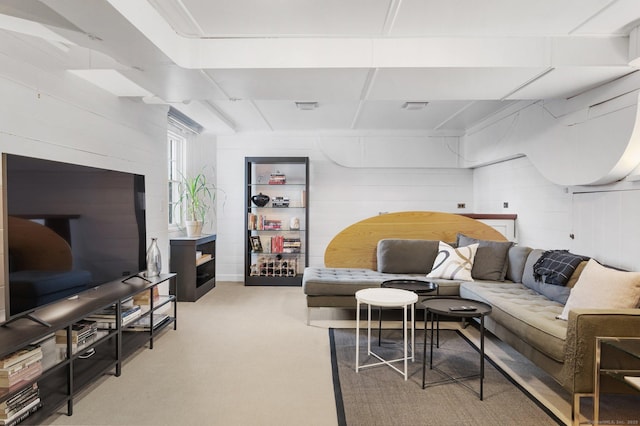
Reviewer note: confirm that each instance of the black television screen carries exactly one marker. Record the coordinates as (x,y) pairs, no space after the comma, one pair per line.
(69,227)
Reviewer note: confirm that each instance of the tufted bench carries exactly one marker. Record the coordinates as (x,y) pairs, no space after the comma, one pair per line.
(336,287)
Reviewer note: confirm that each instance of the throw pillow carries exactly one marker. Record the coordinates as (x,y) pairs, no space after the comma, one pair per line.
(600,287)
(453,263)
(557,293)
(491,259)
(406,256)
(556,266)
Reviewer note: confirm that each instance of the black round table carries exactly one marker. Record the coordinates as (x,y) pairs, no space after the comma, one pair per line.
(453,306)
(419,287)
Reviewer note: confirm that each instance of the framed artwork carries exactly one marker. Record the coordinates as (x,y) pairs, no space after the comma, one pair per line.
(256,244)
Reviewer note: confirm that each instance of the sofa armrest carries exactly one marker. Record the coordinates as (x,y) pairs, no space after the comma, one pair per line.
(583,327)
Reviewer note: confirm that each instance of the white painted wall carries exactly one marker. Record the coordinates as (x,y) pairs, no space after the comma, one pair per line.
(603,220)
(338,195)
(56,116)
(543,208)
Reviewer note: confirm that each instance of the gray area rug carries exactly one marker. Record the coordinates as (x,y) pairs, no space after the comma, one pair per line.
(380,396)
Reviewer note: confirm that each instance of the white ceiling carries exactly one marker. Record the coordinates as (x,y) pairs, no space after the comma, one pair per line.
(240,65)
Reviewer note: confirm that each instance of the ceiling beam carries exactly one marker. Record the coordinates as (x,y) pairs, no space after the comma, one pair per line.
(372,52)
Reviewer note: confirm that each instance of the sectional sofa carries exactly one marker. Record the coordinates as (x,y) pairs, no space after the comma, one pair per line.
(527,310)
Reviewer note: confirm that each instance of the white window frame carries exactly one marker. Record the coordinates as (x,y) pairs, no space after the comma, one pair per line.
(176,144)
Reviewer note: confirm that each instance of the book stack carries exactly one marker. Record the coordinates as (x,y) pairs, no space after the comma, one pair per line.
(277,244)
(291,245)
(277,178)
(280,202)
(83,333)
(271,224)
(20,406)
(20,367)
(144,323)
(107,317)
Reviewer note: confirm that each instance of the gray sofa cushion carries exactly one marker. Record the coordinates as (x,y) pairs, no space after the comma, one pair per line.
(490,262)
(556,293)
(526,313)
(406,256)
(517,259)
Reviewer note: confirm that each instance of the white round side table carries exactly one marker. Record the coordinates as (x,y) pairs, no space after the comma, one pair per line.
(386,298)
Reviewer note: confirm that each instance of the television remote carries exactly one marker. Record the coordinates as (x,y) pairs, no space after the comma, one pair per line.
(462,308)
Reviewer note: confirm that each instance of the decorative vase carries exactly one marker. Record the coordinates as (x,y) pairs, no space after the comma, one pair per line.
(154,262)
(260,200)
(294,223)
(194,228)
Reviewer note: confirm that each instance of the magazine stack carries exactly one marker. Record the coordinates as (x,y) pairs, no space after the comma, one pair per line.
(16,370)
(83,333)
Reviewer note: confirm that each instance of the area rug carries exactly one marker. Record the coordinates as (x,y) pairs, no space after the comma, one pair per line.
(380,396)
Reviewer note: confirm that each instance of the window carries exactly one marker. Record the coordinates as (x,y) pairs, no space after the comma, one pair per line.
(180,130)
(176,155)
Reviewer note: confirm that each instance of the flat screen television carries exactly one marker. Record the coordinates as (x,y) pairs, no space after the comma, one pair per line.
(69,227)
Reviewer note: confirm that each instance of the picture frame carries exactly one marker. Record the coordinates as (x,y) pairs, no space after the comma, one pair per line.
(256,244)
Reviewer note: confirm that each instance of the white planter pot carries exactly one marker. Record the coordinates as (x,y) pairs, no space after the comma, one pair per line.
(194,228)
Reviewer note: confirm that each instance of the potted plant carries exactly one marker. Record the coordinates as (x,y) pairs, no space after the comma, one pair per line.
(197,196)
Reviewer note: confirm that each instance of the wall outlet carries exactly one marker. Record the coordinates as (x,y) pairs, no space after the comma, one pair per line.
(461,205)
(505,205)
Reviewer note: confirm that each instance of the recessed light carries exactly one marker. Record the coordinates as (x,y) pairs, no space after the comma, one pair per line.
(306,106)
(414,105)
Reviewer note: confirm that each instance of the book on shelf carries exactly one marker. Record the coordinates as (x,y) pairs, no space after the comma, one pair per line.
(19,398)
(18,356)
(22,364)
(25,374)
(79,331)
(204,258)
(25,412)
(272,224)
(61,346)
(107,317)
(291,245)
(19,401)
(252,222)
(143,324)
(277,179)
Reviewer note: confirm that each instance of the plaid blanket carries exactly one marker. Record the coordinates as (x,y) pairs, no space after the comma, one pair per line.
(556,266)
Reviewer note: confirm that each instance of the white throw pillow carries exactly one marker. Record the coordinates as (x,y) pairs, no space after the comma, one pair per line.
(603,288)
(453,263)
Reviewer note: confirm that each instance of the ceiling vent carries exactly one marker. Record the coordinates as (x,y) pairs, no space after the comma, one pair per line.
(306,106)
(412,106)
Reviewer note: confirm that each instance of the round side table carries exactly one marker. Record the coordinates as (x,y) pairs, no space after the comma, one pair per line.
(454,306)
(390,298)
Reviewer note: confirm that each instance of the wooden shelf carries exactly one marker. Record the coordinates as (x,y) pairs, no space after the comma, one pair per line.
(195,276)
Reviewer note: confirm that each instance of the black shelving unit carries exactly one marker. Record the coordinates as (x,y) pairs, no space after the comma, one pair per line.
(63,380)
(281,254)
(196,275)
